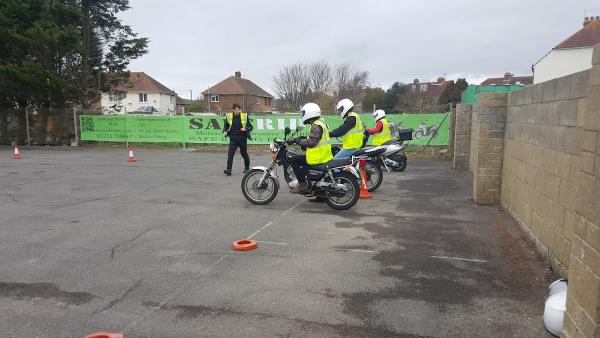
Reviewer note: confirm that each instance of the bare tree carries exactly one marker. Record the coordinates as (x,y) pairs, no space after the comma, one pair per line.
(292,85)
(343,73)
(321,80)
(350,82)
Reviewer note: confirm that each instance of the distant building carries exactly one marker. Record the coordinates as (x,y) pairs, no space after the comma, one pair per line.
(235,89)
(570,56)
(508,80)
(429,92)
(139,94)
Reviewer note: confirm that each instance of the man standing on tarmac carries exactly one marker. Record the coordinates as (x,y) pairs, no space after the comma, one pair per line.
(352,130)
(237,128)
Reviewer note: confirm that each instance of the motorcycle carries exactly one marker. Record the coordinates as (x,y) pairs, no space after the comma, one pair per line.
(425,130)
(336,180)
(373,172)
(394,157)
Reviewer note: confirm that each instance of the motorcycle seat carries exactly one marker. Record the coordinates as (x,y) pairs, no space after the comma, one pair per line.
(370,151)
(331,164)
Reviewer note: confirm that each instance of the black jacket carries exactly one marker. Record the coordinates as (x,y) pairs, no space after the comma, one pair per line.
(236,126)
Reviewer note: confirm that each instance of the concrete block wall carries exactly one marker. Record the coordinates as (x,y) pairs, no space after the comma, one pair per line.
(539,175)
(487,146)
(462,136)
(537,152)
(583,301)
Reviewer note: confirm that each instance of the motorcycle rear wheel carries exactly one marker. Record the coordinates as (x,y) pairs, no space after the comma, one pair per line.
(253,193)
(346,201)
(402,162)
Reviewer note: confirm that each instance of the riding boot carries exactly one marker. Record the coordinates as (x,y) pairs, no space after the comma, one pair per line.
(301,188)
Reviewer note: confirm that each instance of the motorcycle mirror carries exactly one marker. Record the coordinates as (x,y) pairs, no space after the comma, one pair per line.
(287,130)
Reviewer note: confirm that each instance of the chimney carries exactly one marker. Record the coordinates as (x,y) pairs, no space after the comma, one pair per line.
(440,79)
(238,74)
(589,19)
(508,75)
(416,81)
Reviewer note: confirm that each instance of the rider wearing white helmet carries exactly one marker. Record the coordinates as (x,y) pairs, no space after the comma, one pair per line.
(318,146)
(351,131)
(382,130)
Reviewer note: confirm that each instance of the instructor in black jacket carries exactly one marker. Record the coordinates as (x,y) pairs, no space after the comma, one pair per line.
(237,128)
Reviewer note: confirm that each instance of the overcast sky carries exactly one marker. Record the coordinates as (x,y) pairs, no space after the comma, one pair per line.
(195,44)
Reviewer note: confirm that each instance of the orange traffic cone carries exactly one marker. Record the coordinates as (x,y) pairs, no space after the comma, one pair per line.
(364,192)
(16,154)
(105,335)
(131,158)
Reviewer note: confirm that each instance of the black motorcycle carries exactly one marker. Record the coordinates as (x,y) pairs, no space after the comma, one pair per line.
(337,180)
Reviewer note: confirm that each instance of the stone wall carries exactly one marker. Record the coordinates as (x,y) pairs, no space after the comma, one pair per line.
(583,302)
(539,175)
(487,144)
(462,136)
(537,152)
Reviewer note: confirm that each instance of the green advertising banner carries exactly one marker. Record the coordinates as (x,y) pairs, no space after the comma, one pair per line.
(209,128)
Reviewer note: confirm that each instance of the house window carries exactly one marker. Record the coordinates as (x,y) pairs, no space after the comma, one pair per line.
(143,97)
(214,98)
(172,98)
(423,88)
(115,97)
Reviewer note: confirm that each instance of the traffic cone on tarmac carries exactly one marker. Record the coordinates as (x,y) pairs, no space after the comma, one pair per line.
(131,158)
(364,192)
(16,154)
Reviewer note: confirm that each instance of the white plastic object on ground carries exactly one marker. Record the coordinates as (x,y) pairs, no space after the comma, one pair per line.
(557,286)
(554,312)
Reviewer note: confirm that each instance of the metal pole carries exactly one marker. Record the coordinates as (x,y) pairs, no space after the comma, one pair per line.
(76,144)
(27,125)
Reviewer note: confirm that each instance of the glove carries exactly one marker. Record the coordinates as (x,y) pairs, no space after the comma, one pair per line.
(290,141)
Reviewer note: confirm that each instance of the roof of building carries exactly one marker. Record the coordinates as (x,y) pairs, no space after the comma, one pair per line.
(142,82)
(434,88)
(237,85)
(184,102)
(508,79)
(587,36)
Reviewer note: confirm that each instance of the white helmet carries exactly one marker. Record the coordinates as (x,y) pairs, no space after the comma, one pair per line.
(309,111)
(378,114)
(344,106)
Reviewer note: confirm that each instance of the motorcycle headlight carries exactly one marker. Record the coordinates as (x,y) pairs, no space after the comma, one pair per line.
(272,147)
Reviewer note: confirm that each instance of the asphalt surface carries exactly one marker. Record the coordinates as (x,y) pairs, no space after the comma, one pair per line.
(89,242)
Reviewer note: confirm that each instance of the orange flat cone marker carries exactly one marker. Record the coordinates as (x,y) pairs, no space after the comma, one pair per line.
(364,192)
(105,335)
(131,158)
(16,154)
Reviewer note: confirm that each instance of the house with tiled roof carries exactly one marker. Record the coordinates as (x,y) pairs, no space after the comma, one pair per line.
(509,79)
(570,56)
(236,89)
(139,93)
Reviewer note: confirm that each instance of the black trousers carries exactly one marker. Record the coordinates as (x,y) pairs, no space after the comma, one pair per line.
(234,143)
(299,165)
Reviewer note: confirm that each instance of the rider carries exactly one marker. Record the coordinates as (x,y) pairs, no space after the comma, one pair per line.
(352,130)
(318,146)
(382,130)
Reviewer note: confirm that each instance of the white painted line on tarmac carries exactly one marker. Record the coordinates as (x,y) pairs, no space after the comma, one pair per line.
(357,250)
(267,242)
(460,259)
(292,208)
(261,229)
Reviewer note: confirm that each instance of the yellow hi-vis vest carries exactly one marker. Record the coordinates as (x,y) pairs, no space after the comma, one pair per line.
(321,153)
(384,135)
(243,118)
(353,139)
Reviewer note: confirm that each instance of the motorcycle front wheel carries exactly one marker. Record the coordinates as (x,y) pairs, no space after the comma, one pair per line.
(256,194)
(374,175)
(343,200)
